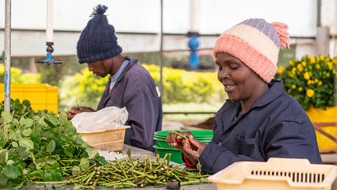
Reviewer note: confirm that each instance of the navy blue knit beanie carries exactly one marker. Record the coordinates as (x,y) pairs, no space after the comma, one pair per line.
(98,39)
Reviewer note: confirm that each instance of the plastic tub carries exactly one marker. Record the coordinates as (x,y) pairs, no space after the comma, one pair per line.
(176,155)
(196,133)
(277,173)
(162,143)
(162,148)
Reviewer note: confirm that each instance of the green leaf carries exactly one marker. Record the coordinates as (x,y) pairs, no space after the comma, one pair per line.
(3,143)
(50,124)
(51,120)
(10,162)
(56,176)
(2,134)
(54,164)
(63,118)
(14,144)
(12,135)
(84,164)
(27,122)
(71,129)
(48,134)
(47,176)
(4,157)
(6,116)
(23,153)
(27,132)
(3,179)
(12,171)
(51,146)
(76,170)
(26,142)
(69,154)
(92,154)
(129,153)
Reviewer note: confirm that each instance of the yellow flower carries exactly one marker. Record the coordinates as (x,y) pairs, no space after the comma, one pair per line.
(321,57)
(303,80)
(334,60)
(330,65)
(310,93)
(294,70)
(312,60)
(299,67)
(280,70)
(306,76)
(304,63)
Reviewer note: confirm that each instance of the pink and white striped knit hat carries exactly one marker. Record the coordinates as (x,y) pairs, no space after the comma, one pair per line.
(256,43)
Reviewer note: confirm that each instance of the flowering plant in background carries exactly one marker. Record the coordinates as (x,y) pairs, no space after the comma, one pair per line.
(310,81)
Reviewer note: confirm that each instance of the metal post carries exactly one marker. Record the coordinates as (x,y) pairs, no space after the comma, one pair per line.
(161,51)
(7,74)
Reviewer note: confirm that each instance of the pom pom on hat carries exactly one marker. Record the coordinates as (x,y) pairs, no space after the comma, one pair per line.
(98,39)
(256,43)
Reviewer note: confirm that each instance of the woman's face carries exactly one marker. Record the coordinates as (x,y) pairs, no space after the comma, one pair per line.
(239,81)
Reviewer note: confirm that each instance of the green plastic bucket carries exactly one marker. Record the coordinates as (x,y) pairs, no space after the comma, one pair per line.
(196,133)
(204,136)
(162,148)
(162,143)
(176,155)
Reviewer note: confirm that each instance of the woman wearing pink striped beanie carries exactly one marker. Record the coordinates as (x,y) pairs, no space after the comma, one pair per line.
(258,120)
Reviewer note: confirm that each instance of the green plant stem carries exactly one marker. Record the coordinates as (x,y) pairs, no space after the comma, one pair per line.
(179,134)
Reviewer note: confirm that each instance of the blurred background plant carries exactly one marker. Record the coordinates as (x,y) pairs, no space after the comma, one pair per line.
(179,86)
(310,80)
(18,77)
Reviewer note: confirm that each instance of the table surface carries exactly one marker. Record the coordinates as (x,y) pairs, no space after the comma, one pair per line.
(137,152)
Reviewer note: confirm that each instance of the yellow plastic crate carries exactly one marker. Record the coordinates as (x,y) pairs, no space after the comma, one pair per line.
(106,140)
(277,173)
(41,96)
(318,115)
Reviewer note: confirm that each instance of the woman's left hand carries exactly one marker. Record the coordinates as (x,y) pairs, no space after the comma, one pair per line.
(192,149)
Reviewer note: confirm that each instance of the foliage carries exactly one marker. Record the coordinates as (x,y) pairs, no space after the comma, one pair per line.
(310,80)
(187,86)
(43,148)
(40,147)
(17,77)
(82,88)
(178,86)
(53,74)
(19,109)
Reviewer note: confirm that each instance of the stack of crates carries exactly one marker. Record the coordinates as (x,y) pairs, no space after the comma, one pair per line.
(41,96)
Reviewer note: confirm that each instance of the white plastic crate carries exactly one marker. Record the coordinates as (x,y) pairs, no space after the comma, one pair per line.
(276,173)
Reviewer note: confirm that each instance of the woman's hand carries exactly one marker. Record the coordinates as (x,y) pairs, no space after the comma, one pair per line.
(190,147)
(75,110)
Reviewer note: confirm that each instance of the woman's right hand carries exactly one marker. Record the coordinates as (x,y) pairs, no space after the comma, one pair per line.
(75,110)
(190,147)
(175,140)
